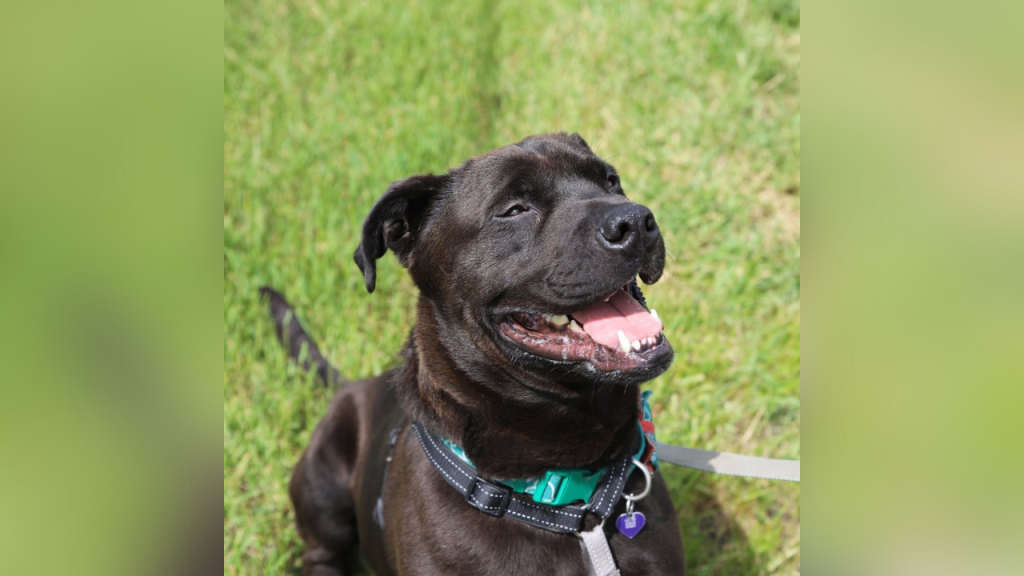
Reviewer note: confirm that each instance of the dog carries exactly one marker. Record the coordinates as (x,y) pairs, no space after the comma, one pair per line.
(530,342)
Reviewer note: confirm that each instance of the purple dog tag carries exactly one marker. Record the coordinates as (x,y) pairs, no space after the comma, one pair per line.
(631,524)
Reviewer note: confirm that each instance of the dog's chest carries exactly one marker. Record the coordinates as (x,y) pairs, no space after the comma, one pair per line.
(431,530)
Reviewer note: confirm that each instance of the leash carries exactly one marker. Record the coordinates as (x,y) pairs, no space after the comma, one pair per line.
(730,464)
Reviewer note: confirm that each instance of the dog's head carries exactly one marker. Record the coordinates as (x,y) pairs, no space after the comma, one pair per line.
(528,256)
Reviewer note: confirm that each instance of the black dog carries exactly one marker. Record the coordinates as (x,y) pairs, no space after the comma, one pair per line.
(530,342)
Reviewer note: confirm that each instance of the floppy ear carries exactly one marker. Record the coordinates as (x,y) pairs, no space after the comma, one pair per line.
(579,139)
(394,222)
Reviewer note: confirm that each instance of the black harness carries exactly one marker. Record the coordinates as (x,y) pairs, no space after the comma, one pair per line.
(498,500)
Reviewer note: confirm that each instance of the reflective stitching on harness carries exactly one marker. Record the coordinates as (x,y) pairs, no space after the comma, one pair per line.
(572,514)
(555,510)
(622,470)
(461,471)
(473,498)
(438,466)
(563,527)
(488,491)
(483,488)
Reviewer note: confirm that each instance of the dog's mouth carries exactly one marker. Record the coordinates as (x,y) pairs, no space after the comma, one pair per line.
(615,333)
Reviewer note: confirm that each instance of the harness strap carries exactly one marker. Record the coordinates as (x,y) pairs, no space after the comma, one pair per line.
(378,509)
(498,500)
(597,553)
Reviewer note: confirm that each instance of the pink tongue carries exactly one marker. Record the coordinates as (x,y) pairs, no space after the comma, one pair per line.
(621,312)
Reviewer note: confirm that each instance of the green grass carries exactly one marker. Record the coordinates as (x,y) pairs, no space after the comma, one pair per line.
(696,104)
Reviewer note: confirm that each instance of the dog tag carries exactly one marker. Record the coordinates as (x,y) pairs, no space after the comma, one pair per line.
(631,524)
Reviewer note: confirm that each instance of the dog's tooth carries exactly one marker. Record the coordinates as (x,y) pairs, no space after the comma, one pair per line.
(654,313)
(624,342)
(636,345)
(574,326)
(558,319)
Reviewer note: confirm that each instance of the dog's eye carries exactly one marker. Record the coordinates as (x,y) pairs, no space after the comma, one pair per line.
(515,210)
(613,180)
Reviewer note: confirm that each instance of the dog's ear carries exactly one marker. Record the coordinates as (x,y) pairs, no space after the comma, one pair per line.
(394,222)
(579,139)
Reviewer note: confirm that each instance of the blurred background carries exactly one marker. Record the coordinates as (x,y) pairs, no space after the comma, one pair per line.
(697,105)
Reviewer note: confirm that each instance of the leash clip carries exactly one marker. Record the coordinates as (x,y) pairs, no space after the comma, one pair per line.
(648,480)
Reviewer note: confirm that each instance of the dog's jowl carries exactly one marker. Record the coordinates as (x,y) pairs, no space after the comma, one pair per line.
(513,438)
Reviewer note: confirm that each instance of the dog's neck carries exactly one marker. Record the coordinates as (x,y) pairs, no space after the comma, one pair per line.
(510,426)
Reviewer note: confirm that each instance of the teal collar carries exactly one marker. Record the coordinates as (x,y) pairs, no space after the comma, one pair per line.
(567,485)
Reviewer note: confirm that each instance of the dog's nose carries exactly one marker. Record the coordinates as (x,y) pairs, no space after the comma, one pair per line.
(627,226)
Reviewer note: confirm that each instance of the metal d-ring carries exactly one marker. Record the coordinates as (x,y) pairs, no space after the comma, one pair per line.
(630,498)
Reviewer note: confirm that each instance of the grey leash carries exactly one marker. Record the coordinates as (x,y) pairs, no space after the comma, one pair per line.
(730,464)
(597,553)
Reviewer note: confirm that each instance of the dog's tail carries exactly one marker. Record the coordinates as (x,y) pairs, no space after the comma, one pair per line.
(293,337)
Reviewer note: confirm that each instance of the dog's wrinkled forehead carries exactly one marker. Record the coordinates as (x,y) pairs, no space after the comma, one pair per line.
(428,220)
(551,180)
(543,169)
(551,144)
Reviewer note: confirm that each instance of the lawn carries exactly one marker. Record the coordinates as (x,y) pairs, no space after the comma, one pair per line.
(697,105)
